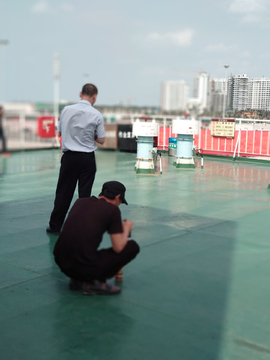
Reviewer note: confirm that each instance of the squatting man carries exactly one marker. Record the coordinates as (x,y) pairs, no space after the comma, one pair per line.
(76,250)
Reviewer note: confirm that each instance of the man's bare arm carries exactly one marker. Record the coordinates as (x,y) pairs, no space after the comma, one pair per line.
(119,241)
(99,140)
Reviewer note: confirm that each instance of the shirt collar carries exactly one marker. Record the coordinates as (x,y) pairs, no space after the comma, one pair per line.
(85,102)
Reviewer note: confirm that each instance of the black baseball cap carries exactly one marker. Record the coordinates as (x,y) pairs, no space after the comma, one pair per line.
(112,188)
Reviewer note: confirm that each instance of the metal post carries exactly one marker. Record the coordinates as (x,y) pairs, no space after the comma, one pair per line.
(164,129)
(22,130)
(160,165)
(226,90)
(3,70)
(236,145)
(239,146)
(200,134)
(261,143)
(56,73)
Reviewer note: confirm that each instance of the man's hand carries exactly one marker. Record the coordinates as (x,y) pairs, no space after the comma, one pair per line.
(127,225)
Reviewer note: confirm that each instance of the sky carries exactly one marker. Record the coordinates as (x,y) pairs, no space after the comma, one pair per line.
(127,48)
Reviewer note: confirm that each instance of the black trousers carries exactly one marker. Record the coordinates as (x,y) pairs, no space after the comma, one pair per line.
(75,167)
(109,263)
(2,136)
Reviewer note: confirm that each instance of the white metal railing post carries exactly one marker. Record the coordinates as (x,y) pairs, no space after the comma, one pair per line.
(253,145)
(246,141)
(261,143)
(237,141)
(22,130)
(56,75)
(158,135)
(164,129)
(200,133)
(239,145)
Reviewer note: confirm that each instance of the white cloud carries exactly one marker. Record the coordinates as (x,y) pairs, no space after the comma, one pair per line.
(221,48)
(40,7)
(67,7)
(179,38)
(246,6)
(44,7)
(252,10)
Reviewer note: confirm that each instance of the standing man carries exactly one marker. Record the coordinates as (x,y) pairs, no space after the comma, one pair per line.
(76,250)
(81,127)
(5,153)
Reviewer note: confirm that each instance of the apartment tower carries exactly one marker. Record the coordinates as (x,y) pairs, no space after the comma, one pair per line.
(174,96)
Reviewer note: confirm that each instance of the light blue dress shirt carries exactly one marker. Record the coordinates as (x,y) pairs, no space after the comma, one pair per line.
(78,125)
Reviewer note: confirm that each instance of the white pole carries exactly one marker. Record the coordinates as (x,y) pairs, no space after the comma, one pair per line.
(22,130)
(3,72)
(56,73)
(225,90)
(164,129)
(200,134)
(237,141)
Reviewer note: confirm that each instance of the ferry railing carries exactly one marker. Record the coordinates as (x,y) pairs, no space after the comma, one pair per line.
(21,133)
(252,139)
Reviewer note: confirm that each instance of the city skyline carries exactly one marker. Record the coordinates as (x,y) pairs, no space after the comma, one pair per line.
(128,50)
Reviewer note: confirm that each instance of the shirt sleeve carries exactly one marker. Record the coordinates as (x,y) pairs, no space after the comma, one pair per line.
(115,225)
(100,128)
(60,122)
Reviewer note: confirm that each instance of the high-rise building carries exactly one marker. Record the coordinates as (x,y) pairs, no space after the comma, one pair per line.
(218,94)
(219,85)
(241,92)
(200,90)
(259,94)
(237,98)
(174,96)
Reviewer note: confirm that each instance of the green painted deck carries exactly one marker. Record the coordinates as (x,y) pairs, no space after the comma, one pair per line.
(198,290)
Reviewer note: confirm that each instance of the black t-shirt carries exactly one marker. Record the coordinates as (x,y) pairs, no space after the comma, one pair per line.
(82,233)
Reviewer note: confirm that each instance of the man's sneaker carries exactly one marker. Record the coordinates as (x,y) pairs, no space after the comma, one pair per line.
(53,232)
(99,288)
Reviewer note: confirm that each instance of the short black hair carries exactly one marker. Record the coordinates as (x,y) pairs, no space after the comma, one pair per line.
(89,90)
